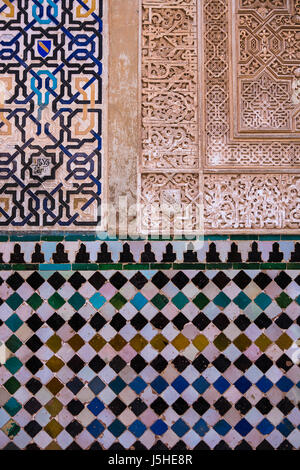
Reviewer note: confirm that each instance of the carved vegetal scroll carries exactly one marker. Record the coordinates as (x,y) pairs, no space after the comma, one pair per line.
(221,113)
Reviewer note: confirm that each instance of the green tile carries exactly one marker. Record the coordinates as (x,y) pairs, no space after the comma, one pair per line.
(162,266)
(25,267)
(12,406)
(263,300)
(201,301)
(13,343)
(108,267)
(84,267)
(254,266)
(189,266)
(159,301)
(118,301)
(293,266)
(283,300)
(14,322)
(269,237)
(243,237)
(5,267)
(12,385)
(222,300)
(180,300)
(14,301)
(77,301)
(136,266)
(290,237)
(242,300)
(216,237)
(30,237)
(56,301)
(218,266)
(13,364)
(52,238)
(84,237)
(35,301)
(272,266)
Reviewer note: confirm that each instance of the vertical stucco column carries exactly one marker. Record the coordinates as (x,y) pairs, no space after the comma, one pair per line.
(123,122)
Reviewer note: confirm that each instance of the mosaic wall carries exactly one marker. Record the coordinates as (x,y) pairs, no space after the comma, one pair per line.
(137,345)
(50,120)
(148,343)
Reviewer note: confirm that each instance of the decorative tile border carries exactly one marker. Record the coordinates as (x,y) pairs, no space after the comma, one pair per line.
(149,360)
(76,251)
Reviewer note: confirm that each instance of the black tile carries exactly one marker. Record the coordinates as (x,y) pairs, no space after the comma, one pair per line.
(221,280)
(284,321)
(200,280)
(34,322)
(221,363)
(159,321)
(117,364)
(76,322)
(32,406)
(180,406)
(56,281)
(33,385)
(201,363)
(74,428)
(283,279)
(97,364)
(201,321)
(180,280)
(263,321)
(32,428)
(160,280)
(138,321)
(243,405)
(159,406)
(138,280)
(284,362)
(117,406)
(201,406)
(264,406)
(221,321)
(34,343)
(262,280)
(159,363)
(55,321)
(97,322)
(118,280)
(77,280)
(285,406)
(138,406)
(35,280)
(242,322)
(75,407)
(222,406)
(181,363)
(242,280)
(118,322)
(15,281)
(75,364)
(138,363)
(97,280)
(243,363)
(180,320)
(34,364)
(264,363)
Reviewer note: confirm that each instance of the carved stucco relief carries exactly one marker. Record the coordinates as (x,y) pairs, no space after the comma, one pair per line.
(220,112)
